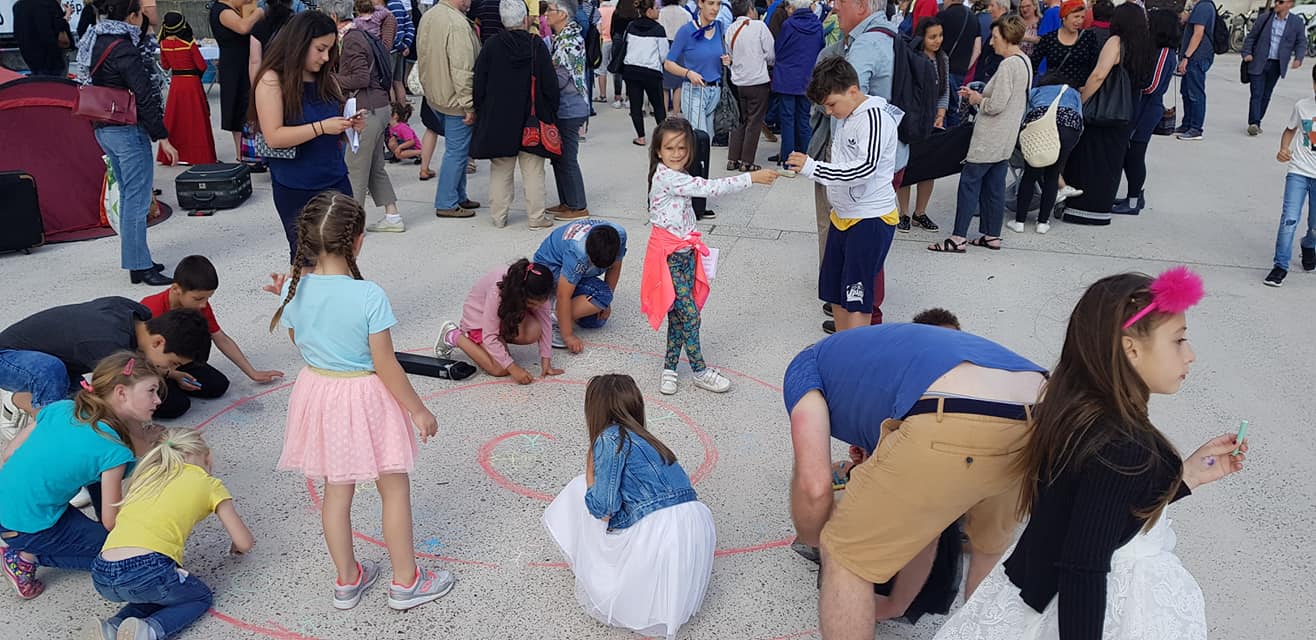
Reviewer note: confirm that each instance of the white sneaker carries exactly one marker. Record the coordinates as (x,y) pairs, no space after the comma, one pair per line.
(668,386)
(617,104)
(711,380)
(81,500)
(386,226)
(1017,227)
(1067,192)
(558,342)
(11,417)
(441,347)
(1043,227)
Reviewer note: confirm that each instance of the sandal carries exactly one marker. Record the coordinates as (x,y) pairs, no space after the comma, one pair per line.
(426,174)
(986,243)
(639,142)
(947,246)
(750,168)
(733,165)
(921,219)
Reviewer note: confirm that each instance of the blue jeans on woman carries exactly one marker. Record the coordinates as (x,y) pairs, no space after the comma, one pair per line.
(1296,189)
(156,590)
(698,104)
(451,191)
(795,132)
(566,169)
(982,191)
(129,150)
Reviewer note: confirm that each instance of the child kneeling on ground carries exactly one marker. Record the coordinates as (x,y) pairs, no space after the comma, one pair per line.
(858,180)
(634,532)
(585,257)
(170,492)
(505,307)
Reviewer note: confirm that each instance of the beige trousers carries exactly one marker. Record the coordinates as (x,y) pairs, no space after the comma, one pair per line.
(365,168)
(502,184)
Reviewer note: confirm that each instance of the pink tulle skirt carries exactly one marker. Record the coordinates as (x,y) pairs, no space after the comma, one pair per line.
(346,430)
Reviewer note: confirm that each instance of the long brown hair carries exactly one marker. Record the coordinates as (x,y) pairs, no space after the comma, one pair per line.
(286,57)
(614,399)
(330,223)
(1094,396)
(673,125)
(524,282)
(92,403)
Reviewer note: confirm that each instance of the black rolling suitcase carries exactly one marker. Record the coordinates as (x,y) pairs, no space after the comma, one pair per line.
(207,187)
(21,227)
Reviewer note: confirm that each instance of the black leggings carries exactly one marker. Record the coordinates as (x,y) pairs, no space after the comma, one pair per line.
(639,83)
(1048,176)
(177,401)
(1135,167)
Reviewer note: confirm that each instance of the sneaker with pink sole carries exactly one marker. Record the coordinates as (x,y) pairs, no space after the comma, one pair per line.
(428,587)
(23,575)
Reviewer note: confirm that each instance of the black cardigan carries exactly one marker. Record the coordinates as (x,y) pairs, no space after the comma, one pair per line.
(126,68)
(1077,523)
(502,93)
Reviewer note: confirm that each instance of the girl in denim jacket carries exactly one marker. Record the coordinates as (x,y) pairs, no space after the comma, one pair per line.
(638,539)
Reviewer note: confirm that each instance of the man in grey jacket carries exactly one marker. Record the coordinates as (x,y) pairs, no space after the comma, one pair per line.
(1276,38)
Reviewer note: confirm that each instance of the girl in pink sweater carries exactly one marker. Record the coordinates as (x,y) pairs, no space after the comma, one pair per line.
(505,307)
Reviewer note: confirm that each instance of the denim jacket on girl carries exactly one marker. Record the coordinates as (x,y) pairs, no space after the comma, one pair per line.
(634,482)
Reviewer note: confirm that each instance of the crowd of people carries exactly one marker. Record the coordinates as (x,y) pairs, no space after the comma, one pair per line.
(863,94)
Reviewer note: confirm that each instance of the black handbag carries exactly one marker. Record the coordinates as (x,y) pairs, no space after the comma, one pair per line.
(1112,105)
(1243,75)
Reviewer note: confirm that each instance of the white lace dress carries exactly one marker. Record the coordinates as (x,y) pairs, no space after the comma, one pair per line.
(1149,596)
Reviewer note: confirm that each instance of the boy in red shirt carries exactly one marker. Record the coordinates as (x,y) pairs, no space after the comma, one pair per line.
(195,280)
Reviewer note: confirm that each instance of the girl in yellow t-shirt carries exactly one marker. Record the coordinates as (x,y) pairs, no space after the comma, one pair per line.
(170,492)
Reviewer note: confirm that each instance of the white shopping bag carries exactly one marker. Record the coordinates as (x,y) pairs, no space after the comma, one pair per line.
(710,263)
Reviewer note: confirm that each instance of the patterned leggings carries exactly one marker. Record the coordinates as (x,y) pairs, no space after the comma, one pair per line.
(683,318)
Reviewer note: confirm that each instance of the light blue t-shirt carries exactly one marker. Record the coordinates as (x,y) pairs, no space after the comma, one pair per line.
(60,457)
(563,251)
(332,318)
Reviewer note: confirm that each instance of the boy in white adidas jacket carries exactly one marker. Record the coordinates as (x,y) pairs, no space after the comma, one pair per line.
(858,181)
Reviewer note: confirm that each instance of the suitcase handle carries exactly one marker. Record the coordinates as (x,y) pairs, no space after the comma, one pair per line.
(203,197)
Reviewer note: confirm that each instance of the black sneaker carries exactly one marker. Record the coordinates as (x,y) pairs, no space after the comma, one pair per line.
(903,225)
(1276,277)
(922,220)
(827,309)
(1308,259)
(829,326)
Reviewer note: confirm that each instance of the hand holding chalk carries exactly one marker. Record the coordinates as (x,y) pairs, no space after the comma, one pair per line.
(1214,460)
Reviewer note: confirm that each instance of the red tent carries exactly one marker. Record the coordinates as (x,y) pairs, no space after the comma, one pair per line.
(40,136)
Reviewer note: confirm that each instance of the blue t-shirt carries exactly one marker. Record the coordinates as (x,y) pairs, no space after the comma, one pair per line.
(699,54)
(319,163)
(1203,14)
(874,373)
(60,457)
(332,318)
(1050,21)
(563,251)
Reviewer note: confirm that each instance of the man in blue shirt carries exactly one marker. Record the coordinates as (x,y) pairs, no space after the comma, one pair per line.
(942,416)
(1050,18)
(1195,57)
(585,258)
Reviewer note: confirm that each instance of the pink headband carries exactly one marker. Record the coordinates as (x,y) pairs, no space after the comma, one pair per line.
(1174,291)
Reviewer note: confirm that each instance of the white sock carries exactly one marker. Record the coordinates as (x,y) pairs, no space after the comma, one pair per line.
(392,217)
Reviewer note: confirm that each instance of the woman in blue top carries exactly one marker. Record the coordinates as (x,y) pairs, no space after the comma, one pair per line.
(636,536)
(1149,109)
(1069,124)
(299,106)
(697,55)
(75,443)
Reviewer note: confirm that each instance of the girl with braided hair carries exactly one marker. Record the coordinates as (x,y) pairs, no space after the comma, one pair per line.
(352,408)
(505,307)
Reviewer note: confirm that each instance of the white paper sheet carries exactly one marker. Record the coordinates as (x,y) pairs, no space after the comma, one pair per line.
(353,136)
(710,263)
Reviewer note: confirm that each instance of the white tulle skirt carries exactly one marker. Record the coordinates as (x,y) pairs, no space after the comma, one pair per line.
(650,577)
(1149,596)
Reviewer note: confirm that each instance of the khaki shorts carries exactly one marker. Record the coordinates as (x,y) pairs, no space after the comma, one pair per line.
(928,471)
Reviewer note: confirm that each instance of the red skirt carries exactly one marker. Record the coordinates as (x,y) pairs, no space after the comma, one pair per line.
(187,116)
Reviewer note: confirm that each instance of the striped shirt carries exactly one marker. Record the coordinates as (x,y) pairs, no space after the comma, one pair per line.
(406,36)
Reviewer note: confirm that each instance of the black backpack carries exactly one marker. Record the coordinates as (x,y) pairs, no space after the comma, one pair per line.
(593,42)
(1219,32)
(913,88)
(382,69)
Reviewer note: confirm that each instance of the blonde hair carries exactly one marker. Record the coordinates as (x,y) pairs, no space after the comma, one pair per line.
(91,405)
(162,464)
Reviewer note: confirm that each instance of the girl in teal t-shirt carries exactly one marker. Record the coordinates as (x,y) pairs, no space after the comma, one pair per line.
(74,443)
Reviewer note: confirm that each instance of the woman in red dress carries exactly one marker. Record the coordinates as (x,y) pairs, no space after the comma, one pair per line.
(187,112)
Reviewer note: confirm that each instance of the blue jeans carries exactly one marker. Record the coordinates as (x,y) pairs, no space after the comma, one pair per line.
(1260,85)
(1193,89)
(599,294)
(1296,189)
(697,105)
(71,543)
(566,169)
(452,173)
(129,150)
(982,190)
(154,590)
(953,81)
(795,132)
(40,374)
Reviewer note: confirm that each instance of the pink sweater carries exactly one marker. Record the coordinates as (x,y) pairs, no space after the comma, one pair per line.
(481,312)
